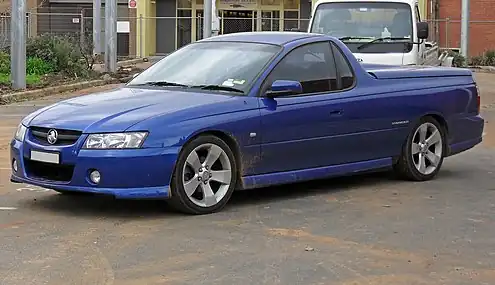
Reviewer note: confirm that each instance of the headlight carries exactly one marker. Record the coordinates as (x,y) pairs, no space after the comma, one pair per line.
(115,140)
(20,133)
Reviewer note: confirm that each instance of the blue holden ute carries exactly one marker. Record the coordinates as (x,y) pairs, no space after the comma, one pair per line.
(249,110)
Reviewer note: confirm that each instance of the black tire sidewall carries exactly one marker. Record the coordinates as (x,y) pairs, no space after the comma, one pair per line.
(408,150)
(179,198)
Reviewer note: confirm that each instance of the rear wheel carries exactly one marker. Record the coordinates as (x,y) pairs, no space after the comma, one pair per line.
(423,153)
(205,176)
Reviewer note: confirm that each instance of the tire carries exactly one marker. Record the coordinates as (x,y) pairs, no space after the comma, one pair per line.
(187,198)
(409,165)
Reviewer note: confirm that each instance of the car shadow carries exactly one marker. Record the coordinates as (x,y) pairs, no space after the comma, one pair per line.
(108,207)
(313,188)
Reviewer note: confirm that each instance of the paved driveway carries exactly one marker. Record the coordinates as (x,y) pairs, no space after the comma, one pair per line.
(366,230)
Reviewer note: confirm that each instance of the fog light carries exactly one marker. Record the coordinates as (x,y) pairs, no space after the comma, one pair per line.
(14,165)
(95,176)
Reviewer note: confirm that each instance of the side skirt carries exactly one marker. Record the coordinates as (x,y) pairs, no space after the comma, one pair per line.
(271,179)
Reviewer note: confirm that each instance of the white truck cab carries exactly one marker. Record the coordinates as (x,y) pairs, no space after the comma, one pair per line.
(378,31)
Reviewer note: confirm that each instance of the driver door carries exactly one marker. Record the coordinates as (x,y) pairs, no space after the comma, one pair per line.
(296,129)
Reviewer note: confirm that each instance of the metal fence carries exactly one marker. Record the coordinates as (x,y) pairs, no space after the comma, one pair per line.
(447,33)
(166,34)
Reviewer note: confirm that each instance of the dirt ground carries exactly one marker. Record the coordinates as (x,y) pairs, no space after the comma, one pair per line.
(365,230)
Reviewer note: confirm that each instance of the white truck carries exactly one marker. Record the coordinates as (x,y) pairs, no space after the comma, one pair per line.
(379,31)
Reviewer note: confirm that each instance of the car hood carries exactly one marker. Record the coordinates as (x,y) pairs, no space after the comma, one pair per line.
(380,58)
(119,109)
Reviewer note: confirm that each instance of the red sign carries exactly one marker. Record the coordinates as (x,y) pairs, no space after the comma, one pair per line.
(132,4)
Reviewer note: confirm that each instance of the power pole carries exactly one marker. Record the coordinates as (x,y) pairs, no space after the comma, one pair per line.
(111,36)
(97,27)
(465,28)
(18,44)
(207,11)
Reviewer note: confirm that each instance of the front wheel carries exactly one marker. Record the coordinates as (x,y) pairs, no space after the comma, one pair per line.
(423,153)
(204,176)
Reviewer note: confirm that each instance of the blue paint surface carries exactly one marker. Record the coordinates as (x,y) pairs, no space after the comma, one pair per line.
(298,138)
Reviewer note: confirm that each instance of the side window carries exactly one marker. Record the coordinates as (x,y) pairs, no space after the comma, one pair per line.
(312,65)
(345,70)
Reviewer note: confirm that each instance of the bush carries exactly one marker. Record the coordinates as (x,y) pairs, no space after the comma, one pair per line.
(38,66)
(458,59)
(490,57)
(31,79)
(34,65)
(485,59)
(62,53)
(476,60)
(4,62)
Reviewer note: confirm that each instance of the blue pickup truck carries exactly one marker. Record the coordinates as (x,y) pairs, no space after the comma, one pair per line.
(249,110)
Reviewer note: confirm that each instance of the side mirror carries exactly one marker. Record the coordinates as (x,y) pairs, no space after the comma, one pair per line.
(284,87)
(422,30)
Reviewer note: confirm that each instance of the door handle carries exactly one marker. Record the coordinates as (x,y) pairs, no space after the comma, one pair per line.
(336,113)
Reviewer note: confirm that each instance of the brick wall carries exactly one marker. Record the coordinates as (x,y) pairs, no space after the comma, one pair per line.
(481,26)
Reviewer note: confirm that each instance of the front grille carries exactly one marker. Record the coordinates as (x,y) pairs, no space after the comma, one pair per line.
(65,137)
(48,171)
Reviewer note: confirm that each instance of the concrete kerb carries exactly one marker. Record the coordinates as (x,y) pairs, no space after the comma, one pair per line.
(485,69)
(38,93)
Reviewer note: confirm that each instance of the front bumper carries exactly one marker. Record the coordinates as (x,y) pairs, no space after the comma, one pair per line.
(131,174)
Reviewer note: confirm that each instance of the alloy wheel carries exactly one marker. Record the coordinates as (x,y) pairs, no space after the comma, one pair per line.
(207,175)
(427,148)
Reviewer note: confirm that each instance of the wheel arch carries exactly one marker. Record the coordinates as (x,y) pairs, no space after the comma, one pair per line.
(438,117)
(231,142)
(441,120)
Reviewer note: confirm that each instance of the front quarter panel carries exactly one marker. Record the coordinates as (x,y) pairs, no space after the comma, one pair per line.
(238,119)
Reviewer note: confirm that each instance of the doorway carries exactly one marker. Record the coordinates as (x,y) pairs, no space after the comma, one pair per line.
(236,21)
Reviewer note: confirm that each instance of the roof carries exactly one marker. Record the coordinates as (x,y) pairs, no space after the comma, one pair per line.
(277,38)
(410,2)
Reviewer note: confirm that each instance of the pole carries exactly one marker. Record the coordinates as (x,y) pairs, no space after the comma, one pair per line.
(215,22)
(18,44)
(207,18)
(111,36)
(141,45)
(81,23)
(465,28)
(97,27)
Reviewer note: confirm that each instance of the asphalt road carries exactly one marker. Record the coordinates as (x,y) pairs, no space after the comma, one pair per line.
(369,229)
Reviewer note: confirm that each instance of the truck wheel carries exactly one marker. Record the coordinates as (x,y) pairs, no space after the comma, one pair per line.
(423,153)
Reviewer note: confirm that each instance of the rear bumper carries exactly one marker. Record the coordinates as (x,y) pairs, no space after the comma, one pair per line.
(463,146)
(468,134)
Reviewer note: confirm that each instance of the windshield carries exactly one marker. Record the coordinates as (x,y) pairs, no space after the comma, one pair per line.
(359,22)
(227,64)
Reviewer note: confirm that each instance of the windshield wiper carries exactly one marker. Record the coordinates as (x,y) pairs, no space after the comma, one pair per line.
(354,38)
(379,40)
(162,83)
(217,87)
